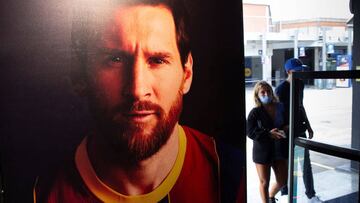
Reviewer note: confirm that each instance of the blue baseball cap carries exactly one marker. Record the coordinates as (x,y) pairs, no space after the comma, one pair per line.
(294,64)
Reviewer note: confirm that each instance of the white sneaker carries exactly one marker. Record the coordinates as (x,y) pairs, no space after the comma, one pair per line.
(315,199)
(283,199)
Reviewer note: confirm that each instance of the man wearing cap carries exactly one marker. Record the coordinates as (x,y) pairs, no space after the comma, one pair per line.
(283,92)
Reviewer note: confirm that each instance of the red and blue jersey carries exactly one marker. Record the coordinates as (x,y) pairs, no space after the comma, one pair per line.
(195,177)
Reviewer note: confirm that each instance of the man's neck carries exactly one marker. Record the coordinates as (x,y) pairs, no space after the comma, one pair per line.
(288,78)
(138,178)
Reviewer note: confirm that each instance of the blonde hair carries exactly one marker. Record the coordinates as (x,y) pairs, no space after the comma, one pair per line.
(267,86)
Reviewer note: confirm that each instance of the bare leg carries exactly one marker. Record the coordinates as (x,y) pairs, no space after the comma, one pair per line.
(263,171)
(281,174)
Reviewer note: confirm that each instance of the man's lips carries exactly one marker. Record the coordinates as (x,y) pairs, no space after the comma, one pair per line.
(140,111)
(139,115)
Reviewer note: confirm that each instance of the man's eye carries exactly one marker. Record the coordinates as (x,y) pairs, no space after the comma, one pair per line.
(156,61)
(116,59)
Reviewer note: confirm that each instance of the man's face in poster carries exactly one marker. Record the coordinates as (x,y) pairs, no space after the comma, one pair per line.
(136,79)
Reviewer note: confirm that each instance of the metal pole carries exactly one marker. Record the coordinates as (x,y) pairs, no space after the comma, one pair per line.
(291,140)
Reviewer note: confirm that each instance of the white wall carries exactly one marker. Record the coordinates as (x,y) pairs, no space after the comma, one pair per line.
(305,9)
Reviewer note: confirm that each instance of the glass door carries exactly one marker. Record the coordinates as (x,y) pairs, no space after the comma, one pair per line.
(326,168)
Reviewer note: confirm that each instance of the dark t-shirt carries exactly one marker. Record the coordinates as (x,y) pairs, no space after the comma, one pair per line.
(283,92)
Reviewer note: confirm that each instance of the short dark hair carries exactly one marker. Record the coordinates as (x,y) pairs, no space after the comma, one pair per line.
(85,14)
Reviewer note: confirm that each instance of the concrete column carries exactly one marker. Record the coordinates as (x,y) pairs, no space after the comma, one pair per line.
(322,82)
(296,48)
(266,66)
(349,41)
(316,59)
(323,57)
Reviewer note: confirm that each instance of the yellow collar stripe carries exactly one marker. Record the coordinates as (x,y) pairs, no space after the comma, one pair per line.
(107,194)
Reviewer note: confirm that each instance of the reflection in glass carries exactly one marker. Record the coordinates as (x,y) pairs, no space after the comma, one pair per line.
(335,179)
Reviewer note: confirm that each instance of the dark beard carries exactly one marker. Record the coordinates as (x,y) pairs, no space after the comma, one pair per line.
(128,140)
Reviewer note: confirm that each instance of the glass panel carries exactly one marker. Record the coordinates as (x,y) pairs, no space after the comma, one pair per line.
(329,112)
(334,179)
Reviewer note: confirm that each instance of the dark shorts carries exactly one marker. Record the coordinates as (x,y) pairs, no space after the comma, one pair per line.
(267,152)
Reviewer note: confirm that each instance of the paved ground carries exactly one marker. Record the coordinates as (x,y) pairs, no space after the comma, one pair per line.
(329,112)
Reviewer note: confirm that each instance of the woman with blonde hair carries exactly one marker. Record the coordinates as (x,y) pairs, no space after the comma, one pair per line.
(267,126)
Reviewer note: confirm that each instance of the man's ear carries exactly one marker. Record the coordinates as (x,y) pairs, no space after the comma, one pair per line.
(188,74)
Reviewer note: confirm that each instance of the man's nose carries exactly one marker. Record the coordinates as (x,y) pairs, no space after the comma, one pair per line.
(139,80)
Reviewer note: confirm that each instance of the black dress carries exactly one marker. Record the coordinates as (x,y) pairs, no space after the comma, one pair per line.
(259,124)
